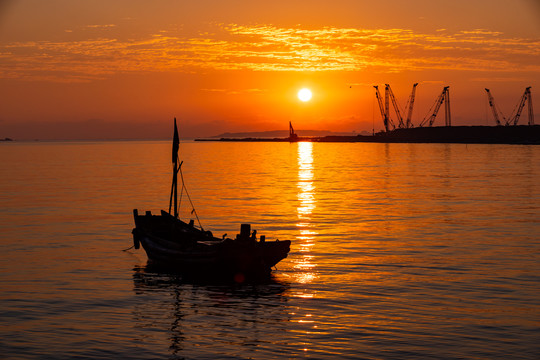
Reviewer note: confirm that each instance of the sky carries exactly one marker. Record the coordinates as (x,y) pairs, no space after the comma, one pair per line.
(123,69)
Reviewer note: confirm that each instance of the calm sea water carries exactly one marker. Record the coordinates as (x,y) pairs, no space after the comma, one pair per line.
(400,251)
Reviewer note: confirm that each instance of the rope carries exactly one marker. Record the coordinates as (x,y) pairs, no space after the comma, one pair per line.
(132,246)
(181,194)
(189,198)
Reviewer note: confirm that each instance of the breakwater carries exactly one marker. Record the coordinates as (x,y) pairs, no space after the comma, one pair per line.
(522,134)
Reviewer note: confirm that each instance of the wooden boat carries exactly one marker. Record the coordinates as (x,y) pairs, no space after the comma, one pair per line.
(173,243)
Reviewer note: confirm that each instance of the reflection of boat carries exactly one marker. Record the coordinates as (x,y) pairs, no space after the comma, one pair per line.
(150,277)
(173,243)
(178,311)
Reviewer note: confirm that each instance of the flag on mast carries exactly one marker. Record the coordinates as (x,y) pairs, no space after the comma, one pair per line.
(176,144)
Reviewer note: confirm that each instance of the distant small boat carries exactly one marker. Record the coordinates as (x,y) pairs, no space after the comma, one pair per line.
(173,243)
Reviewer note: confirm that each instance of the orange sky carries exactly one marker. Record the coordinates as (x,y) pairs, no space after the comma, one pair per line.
(91,69)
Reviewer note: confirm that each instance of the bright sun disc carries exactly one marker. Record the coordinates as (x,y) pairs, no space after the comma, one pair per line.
(304,94)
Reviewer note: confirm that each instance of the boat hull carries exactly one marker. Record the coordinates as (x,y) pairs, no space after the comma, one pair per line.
(174,244)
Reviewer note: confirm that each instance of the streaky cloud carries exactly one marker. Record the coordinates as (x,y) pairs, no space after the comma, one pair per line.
(264,47)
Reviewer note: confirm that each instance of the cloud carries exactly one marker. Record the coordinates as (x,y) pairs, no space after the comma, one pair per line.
(235,91)
(105,26)
(501,79)
(432,82)
(270,48)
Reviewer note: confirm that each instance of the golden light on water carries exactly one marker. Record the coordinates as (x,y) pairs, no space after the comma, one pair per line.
(306,204)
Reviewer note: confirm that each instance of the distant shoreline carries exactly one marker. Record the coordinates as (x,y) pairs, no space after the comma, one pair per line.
(519,135)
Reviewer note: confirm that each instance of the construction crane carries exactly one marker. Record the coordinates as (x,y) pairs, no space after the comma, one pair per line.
(494,108)
(387,109)
(526,95)
(447,115)
(408,107)
(388,91)
(410,103)
(512,120)
(444,97)
(389,94)
(292,135)
(531,113)
(384,109)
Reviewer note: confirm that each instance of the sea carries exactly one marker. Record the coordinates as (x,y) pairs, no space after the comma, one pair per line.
(399,251)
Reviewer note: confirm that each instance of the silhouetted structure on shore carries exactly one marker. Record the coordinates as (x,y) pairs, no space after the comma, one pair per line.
(292,135)
(520,134)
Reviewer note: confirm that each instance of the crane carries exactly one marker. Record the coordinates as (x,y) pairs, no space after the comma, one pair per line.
(496,112)
(410,103)
(531,113)
(514,119)
(447,115)
(388,91)
(444,97)
(292,135)
(384,109)
(387,109)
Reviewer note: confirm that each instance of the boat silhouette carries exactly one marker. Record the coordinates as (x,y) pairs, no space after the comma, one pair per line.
(172,243)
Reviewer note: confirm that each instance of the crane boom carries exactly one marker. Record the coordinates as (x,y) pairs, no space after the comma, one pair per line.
(443,97)
(447,117)
(408,123)
(514,120)
(388,91)
(493,108)
(387,108)
(384,113)
(531,113)
(292,135)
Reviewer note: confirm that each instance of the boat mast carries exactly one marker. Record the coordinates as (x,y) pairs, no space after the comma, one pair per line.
(176,167)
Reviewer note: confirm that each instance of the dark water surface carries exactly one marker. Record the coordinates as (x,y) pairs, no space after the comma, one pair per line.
(400,251)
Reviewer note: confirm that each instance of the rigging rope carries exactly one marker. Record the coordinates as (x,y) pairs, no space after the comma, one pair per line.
(189,198)
(181,194)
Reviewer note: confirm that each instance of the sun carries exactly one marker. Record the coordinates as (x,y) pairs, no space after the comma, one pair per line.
(304,94)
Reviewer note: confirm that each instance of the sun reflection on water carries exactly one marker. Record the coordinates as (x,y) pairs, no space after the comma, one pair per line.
(305,264)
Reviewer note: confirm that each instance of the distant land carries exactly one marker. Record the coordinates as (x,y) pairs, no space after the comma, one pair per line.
(285,133)
(520,134)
